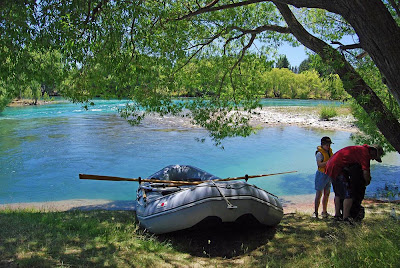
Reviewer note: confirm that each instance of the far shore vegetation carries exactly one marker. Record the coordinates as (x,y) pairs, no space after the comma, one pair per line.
(99,238)
(258,76)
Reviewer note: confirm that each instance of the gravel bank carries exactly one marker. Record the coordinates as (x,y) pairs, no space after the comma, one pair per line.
(272,116)
(302,117)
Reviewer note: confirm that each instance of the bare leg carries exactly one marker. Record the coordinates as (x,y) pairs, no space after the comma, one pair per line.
(317,201)
(325,200)
(348,202)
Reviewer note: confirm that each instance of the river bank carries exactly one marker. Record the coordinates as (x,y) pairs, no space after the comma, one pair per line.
(303,117)
(29,102)
(291,204)
(272,116)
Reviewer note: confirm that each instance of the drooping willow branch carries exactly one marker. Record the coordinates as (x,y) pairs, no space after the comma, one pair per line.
(253,33)
(245,48)
(201,45)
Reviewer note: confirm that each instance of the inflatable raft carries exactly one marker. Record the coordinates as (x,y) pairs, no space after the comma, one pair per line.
(167,207)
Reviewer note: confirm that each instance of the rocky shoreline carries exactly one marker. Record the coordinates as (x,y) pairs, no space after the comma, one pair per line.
(273,116)
(27,102)
(302,117)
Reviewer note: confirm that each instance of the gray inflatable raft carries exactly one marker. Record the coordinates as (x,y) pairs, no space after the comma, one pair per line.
(161,209)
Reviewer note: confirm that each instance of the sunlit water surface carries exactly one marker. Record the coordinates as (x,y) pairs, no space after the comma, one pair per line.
(44,148)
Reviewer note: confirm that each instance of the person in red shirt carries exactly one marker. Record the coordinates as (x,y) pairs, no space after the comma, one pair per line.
(345,158)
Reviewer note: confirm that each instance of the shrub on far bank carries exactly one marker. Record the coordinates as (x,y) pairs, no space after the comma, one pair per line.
(327,112)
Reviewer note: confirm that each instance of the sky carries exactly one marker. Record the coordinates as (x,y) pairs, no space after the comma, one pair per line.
(295,55)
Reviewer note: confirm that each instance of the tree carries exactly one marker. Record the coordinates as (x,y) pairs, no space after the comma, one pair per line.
(283,62)
(334,86)
(380,45)
(305,65)
(372,41)
(312,83)
(138,47)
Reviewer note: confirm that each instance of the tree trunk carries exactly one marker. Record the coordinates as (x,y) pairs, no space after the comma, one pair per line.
(379,35)
(353,83)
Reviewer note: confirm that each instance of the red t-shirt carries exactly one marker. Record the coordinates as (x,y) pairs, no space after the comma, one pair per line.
(347,156)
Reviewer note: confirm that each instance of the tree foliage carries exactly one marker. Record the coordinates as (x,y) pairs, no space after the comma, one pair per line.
(137,49)
(305,65)
(282,83)
(365,121)
(283,62)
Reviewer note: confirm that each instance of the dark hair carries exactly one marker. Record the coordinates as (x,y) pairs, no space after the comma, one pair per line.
(378,151)
(326,140)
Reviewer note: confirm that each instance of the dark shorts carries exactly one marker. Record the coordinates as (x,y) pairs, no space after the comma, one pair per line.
(341,187)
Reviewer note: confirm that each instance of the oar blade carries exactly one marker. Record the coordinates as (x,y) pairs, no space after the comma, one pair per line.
(104,178)
(112,178)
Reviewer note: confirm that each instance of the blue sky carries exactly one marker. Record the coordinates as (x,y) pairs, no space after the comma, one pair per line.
(295,55)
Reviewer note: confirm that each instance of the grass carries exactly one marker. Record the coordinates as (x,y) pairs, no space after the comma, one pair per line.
(342,110)
(31,238)
(327,112)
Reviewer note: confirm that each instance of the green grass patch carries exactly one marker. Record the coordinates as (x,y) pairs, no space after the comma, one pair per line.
(31,238)
(327,112)
(342,110)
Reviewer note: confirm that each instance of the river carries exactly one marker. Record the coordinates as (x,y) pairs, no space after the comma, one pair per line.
(44,148)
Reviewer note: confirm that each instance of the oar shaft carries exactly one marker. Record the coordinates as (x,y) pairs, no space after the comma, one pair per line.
(181,183)
(256,176)
(112,178)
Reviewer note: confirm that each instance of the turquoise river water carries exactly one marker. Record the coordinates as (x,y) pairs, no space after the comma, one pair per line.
(44,148)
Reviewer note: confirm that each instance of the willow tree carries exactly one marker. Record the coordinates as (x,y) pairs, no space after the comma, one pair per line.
(135,49)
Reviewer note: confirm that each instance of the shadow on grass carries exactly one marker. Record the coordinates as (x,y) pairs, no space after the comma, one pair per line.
(211,238)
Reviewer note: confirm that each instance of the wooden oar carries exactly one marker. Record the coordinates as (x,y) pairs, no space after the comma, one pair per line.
(111,178)
(255,176)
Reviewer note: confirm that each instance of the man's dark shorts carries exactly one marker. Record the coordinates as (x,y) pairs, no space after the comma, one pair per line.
(342,187)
